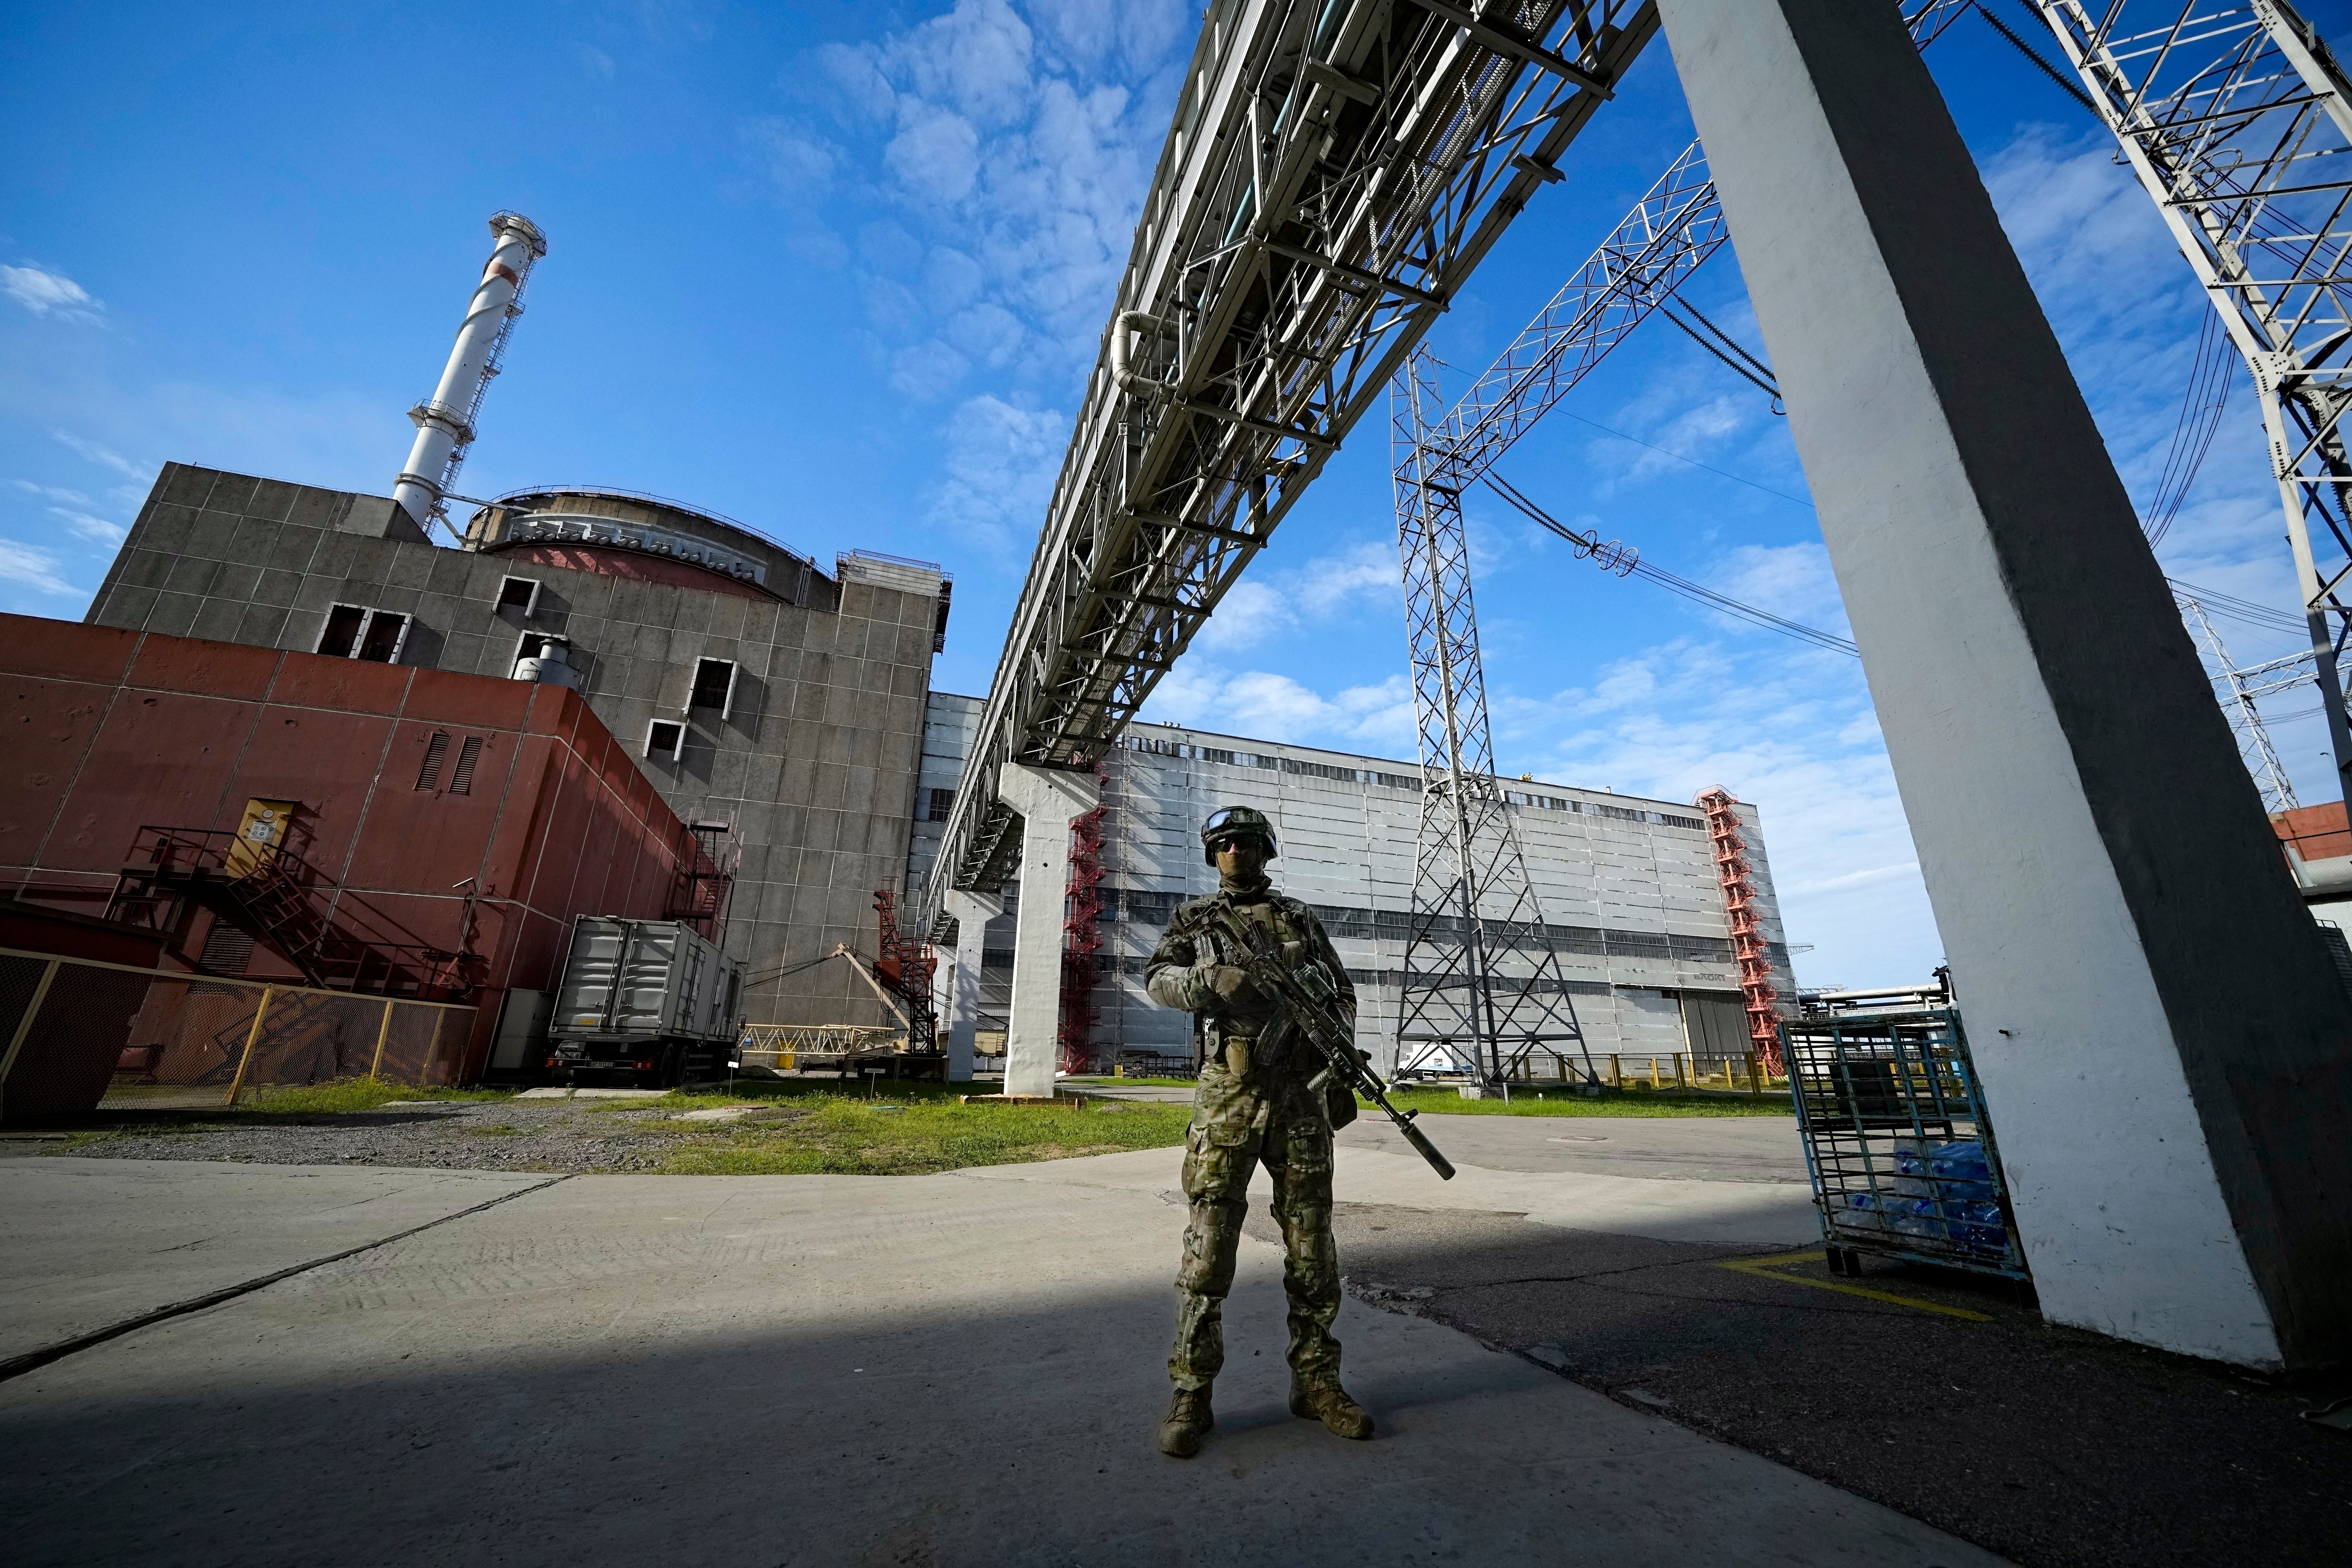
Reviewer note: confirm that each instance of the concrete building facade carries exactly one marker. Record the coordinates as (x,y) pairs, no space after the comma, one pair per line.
(1629,886)
(753,688)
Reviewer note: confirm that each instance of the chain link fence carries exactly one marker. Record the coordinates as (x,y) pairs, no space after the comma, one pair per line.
(77,1029)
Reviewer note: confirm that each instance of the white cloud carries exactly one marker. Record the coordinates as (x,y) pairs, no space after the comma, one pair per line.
(926,372)
(1000,462)
(936,152)
(1790,580)
(54,492)
(47,293)
(1015,154)
(859,88)
(1264,704)
(800,161)
(1361,576)
(593,60)
(85,526)
(1252,611)
(989,333)
(104,457)
(976,58)
(36,569)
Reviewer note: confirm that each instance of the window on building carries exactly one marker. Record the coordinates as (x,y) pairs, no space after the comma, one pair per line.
(942,806)
(342,632)
(355,631)
(429,775)
(665,738)
(519,595)
(714,686)
(386,634)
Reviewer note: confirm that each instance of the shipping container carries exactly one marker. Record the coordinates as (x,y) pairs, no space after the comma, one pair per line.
(655,1001)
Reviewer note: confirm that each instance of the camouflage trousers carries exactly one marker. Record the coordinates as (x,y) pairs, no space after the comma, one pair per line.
(1236,1125)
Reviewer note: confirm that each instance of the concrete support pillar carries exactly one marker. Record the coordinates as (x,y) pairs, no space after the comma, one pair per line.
(1049,801)
(972,911)
(2163,1045)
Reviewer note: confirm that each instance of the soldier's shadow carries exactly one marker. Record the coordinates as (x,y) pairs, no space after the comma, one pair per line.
(1257,1428)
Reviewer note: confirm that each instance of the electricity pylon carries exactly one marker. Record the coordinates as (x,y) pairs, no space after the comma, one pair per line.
(1483,986)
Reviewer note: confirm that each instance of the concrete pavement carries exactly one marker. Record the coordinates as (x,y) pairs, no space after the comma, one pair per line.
(88,1245)
(955,1369)
(1675,1148)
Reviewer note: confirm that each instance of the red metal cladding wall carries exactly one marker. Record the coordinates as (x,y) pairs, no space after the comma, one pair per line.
(106,731)
(2317,832)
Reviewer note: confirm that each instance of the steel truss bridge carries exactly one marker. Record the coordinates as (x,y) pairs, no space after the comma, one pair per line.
(1335,170)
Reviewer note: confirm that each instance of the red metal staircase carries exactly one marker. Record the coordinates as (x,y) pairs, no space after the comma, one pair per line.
(286,905)
(1747,945)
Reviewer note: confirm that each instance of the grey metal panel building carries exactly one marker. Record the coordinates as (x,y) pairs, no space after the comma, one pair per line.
(1629,886)
(810,752)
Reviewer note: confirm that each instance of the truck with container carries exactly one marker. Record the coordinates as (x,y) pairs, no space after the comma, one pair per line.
(648,1002)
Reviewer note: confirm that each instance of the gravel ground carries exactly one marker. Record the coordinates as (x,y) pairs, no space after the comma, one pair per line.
(475,1135)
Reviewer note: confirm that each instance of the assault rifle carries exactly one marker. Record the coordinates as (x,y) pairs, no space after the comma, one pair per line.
(1311,998)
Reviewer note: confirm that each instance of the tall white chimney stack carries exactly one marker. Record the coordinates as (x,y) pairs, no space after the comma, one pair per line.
(444,423)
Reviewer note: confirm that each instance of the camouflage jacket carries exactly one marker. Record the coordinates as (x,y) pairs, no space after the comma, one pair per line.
(1182,971)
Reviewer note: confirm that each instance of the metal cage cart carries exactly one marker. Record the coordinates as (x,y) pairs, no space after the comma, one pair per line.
(1896,1136)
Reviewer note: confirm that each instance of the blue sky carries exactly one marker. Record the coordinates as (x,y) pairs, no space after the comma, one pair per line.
(839,271)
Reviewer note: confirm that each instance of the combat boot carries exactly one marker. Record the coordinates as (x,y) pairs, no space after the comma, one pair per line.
(1329,1402)
(1188,1417)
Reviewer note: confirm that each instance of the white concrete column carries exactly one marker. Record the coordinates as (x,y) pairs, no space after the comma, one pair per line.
(2162,1043)
(972,911)
(1049,800)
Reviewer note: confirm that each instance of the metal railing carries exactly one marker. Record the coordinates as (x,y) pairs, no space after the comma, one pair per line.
(302,914)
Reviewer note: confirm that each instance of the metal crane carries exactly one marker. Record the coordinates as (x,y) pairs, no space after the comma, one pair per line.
(1335,170)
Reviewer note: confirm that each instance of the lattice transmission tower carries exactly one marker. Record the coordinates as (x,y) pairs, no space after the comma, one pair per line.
(1483,988)
(2237,122)
(2240,689)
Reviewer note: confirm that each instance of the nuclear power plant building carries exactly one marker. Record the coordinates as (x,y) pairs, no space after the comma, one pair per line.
(1629,887)
(776,705)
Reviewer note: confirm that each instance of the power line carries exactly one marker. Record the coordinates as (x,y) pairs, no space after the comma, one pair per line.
(1625,562)
(2193,431)
(2238,610)
(2023,47)
(1753,369)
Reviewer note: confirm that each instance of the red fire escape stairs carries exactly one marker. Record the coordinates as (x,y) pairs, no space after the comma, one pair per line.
(708,857)
(287,905)
(1081,940)
(1747,945)
(905,966)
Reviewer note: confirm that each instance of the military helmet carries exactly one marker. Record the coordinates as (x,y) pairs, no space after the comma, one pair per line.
(1236,822)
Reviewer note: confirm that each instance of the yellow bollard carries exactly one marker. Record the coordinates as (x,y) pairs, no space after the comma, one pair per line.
(383,1033)
(252,1038)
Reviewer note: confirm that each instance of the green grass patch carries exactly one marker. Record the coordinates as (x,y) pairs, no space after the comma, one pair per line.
(1154,1082)
(908,1133)
(348,1094)
(1567,1102)
(759,1091)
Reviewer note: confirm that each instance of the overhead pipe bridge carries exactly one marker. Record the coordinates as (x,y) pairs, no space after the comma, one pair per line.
(1334,172)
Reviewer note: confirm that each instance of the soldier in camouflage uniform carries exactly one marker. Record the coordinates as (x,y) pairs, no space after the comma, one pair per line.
(1255,1102)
